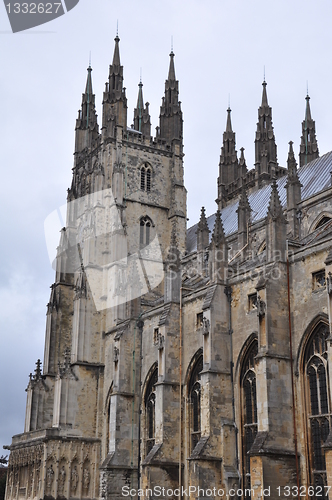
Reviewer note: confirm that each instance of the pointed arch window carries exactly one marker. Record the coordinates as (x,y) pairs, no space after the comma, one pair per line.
(318,405)
(150,411)
(145,173)
(194,391)
(145,231)
(249,409)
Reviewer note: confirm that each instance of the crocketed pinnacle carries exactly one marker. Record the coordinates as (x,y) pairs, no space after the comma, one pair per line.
(264,94)
(218,235)
(202,224)
(275,207)
(229,122)
(243,201)
(307,109)
(171,71)
(116,55)
(88,87)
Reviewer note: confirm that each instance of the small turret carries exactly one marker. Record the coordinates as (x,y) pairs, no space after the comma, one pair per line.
(293,187)
(275,228)
(202,242)
(228,165)
(243,217)
(218,258)
(114,101)
(142,120)
(266,163)
(170,118)
(309,147)
(86,129)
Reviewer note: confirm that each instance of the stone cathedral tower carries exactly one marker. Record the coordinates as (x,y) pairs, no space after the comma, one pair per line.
(196,358)
(127,196)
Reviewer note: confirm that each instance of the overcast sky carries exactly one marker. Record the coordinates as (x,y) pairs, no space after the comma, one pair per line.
(221,48)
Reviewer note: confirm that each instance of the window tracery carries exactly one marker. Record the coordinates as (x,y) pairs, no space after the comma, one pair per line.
(194,391)
(249,410)
(145,173)
(150,403)
(145,231)
(318,404)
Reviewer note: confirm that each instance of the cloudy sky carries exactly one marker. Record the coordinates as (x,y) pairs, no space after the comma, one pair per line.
(221,48)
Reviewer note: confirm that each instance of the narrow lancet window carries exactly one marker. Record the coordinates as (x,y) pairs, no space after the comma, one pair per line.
(318,405)
(249,410)
(150,413)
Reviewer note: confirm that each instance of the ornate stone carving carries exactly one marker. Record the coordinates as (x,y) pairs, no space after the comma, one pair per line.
(329,283)
(116,354)
(74,479)
(161,341)
(62,479)
(261,307)
(206,326)
(86,479)
(49,477)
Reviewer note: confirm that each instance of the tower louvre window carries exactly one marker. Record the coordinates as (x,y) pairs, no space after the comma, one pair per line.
(318,411)
(145,173)
(148,180)
(143,179)
(249,410)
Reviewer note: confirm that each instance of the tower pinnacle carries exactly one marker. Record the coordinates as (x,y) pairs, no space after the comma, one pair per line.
(142,120)
(86,124)
(309,147)
(170,110)
(114,101)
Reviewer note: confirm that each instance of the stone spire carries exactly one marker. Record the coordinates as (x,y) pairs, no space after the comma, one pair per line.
(218,259)
(142,120)
(309,147)
(243,218)
(275,228)
(293,187)
(170,118)
(228,164)
(266,163)
(86,128)
(114,100)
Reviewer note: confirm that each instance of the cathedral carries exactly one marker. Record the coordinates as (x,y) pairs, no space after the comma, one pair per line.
(183,362)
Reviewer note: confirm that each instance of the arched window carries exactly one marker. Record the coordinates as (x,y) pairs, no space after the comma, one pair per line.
(145,231)
(318,404)
(145,178)
(249,409)
(323,221)
(194,392)
(150,418)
